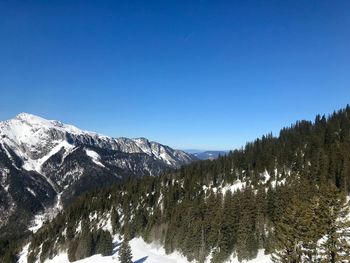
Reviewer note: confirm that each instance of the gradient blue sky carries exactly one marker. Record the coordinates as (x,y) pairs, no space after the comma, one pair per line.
(190,74)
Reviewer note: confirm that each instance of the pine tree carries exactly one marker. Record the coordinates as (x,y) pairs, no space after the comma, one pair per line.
(229,225)
(85,246)
(70,231)
(124,253)
(104,244)
(312,232)
(213,219)
(335,245)
(290,234)
(71,250)
(115,221)
(247,243)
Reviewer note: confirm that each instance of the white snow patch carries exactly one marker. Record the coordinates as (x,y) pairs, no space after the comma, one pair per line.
(165,157)
(107,224)
(37,223)
(278,183)
(266,176)
(234,187)
(31,191)
(237,185)
(261,258)
(78,230)
(93,216)
(35,165)
(95,157)
(22,257)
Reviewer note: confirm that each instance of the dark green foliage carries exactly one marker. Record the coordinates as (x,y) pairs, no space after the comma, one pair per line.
(124,253)
(247,234)
(115,220)
(315,230)
(13,235)
(70,231)
(84,247)
(9,258)
(104,243)
(89,243)
(290,233)
(9,255)
(71,250)
(335,213)
(45,251)
(31,258)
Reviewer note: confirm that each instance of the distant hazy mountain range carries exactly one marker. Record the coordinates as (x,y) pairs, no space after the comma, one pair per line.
(206,155)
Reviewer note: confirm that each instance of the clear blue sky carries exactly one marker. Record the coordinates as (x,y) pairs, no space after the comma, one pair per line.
(190,74)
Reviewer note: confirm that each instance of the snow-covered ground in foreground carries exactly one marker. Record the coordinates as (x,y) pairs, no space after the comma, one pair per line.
(261,258)
(142,253)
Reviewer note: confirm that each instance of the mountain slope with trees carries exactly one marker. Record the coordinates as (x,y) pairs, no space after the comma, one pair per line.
(284,194)
(45,161)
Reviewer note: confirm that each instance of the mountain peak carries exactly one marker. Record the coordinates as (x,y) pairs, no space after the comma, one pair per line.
(37,121)
(24,116)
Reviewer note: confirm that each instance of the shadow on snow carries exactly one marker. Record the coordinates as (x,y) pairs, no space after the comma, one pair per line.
(141,260)
(116,246)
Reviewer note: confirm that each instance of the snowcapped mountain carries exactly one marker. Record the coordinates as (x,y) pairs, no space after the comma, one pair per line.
(35,140)
(40,158)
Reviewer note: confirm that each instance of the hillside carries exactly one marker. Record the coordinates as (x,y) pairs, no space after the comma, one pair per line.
(284,195)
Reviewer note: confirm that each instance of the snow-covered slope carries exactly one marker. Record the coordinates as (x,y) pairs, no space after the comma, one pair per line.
(150,253)
(142,252)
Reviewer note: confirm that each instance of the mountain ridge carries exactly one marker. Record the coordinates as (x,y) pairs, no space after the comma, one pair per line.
(41,159)
(26,131)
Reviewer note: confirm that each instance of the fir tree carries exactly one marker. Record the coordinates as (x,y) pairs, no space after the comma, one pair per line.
(71,250)
(290,234)
(104,244)
(85,246)
(335,245)
(124,253)
(115,221)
